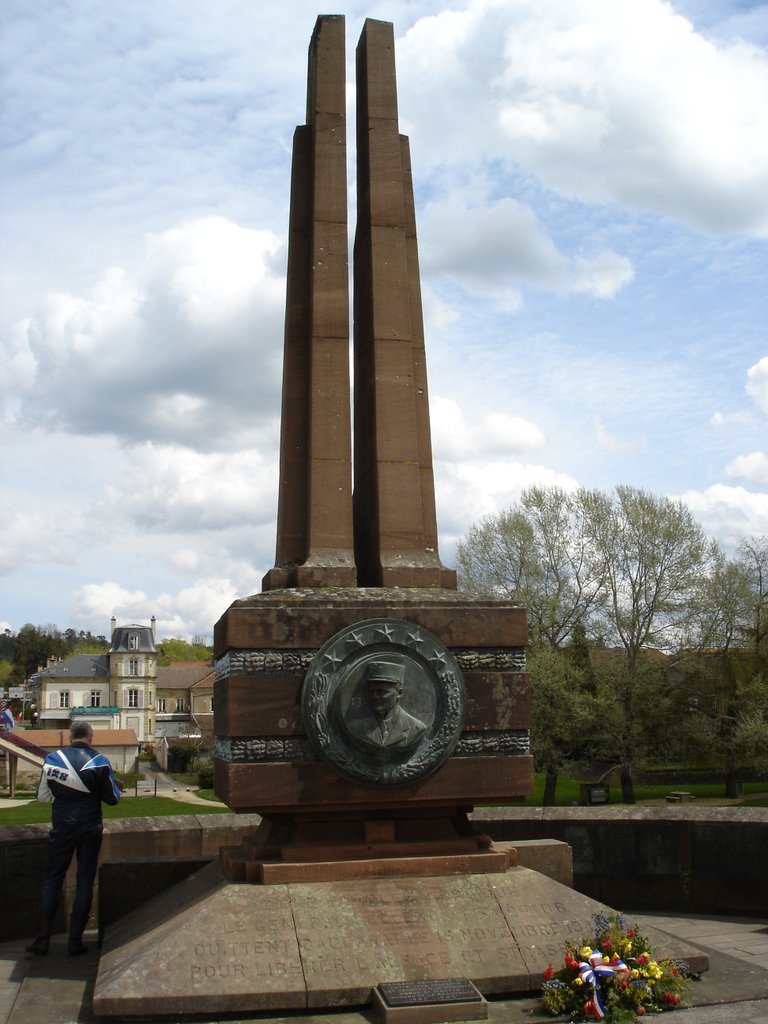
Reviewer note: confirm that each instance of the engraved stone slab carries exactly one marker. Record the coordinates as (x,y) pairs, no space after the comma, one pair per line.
(542,916)
(355,935)
(213,946)
(205,946)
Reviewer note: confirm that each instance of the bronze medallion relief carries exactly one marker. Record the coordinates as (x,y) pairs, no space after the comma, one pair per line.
(383,702)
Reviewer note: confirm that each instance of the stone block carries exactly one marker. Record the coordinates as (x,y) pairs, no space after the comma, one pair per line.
(547,857)
(210,946)
(272,788)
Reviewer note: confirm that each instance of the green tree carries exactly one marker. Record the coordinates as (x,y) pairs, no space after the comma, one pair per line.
(567,715)
(32,648)
(752,560)
(728,725)
(171,650)
(655,561)
(627,567)
(723,615)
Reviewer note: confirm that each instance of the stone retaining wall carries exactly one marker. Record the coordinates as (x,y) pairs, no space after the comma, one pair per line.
(687,858)
(682,858)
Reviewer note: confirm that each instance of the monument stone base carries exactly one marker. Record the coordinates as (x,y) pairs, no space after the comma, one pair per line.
(210,945)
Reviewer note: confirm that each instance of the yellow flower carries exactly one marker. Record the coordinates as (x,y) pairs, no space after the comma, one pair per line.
(585,952)
(577,981)
(634,973)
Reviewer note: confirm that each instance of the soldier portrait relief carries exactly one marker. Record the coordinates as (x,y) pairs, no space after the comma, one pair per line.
(386,725)
(383,702)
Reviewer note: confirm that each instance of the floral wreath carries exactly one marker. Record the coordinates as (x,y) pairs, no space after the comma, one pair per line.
(613,975)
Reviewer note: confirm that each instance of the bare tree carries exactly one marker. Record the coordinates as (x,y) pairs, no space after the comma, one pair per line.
(537,553)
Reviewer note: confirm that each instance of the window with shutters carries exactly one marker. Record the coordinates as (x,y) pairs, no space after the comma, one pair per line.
(133,698)
(95,698)
(133,667)
(179,703)
(161,703)
(64,699)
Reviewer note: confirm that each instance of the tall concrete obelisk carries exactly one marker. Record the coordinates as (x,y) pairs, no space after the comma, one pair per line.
(388,536)
(395,520)
(315,546)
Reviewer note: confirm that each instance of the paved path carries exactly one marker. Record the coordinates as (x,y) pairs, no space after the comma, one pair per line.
(57,989)
(167,786)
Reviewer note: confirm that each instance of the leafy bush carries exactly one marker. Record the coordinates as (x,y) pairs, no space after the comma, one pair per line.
(205,774)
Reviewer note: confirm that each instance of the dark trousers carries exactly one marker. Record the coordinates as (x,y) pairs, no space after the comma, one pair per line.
(63,843)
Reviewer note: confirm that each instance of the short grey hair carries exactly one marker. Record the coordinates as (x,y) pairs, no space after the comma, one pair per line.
(81,731)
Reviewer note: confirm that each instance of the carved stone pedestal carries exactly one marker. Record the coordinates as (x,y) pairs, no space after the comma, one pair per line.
(297,739)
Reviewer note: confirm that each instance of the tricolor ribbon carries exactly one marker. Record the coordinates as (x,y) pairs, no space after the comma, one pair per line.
(593,970)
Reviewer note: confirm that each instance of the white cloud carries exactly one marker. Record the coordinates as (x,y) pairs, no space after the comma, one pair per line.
(757,384)
(493,249)
(48,534)
(729,513)
(167,488)
(606,102)
(752,467)
(454,438)
(188,350)
(468,491)
(192,611)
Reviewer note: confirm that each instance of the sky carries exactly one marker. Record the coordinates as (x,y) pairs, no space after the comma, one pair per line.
(591,184)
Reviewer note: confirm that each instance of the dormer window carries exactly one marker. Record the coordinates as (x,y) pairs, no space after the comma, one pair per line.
(133,641)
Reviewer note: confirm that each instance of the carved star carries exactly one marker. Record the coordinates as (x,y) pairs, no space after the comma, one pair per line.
(438,658)
(415,638)
(334,658)
(385,632)
(355,638)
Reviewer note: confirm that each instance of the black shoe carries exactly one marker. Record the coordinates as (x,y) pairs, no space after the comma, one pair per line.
(76,947)
(40,945)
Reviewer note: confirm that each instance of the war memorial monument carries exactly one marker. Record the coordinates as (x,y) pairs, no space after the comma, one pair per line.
(363,707)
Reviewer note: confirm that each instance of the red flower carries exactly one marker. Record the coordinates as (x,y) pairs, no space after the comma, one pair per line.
(607,944)
(571,962)
(631,933)
(643,959)
(671,998)
(549,973)
(590,1010)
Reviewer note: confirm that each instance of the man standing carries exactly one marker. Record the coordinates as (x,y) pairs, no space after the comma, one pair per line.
(77,779)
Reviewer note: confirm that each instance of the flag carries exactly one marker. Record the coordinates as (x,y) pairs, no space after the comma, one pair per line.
(6,718)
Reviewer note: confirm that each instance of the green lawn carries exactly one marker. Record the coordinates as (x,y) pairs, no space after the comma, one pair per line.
(755,795)
(129,807)
(567,792)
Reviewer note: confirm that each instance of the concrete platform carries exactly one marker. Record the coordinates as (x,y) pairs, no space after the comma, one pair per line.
(58,990)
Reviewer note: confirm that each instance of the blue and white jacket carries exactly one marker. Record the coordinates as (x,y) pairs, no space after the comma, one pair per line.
(77,779)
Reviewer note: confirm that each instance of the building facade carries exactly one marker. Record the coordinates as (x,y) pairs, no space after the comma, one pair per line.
(111,691)
(125,689)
